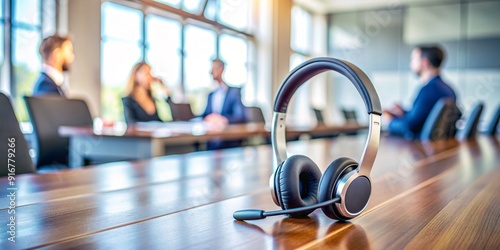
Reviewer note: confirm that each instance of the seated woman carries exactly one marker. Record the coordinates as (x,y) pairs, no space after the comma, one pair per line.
(139,104)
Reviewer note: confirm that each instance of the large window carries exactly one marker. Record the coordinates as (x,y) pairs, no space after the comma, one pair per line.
(179,50)
(4,86)
(29,21)
(193,6)
(301,44)
(163,52)
(198,56)
(173,3)
(163,41)
(301,32)
(121,49)
(234,13)
(234,51)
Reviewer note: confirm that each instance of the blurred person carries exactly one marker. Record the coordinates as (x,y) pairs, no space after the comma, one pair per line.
(425,62)
(224,106)
(57,56)
(139,103)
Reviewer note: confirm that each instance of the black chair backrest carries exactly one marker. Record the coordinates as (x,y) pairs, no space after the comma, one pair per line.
(350,116)
(181,111)
(254,114)
(492,127)
(319,116)
(441,122)
(470,128)
(47,114)
(12,142)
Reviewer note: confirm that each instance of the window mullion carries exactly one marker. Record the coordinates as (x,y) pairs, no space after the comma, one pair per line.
(9,38)
(183,57)
(41,16)
(143,42)
(202,12)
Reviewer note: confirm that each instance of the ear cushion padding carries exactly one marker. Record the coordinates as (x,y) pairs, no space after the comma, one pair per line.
(296,181)
(329,181)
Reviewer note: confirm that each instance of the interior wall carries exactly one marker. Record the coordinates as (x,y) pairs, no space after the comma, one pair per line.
(84,28)
(380,42)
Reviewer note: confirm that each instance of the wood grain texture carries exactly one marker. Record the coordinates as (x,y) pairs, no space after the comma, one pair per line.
(437,195)
(125,175)
(470,220)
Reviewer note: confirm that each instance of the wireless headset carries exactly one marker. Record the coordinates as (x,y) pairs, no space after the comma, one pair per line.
(297,185)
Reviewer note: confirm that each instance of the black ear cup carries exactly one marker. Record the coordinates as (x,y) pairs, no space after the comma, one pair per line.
(329,181)
(296,183)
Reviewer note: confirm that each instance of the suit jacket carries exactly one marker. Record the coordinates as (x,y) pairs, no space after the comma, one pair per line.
(411,123)
(46,86)
(135,113)
(232,108)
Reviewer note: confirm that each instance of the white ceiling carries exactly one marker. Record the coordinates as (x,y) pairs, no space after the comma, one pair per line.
(332,6)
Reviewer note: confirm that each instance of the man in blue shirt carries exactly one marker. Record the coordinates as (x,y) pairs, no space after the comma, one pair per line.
(425,62)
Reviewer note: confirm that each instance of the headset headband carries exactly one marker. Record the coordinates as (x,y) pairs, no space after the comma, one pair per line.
(304,72)
(310,68)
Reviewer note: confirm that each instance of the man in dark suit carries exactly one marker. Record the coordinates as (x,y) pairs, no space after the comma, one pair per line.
(425,62)
(224,105)
(57,56)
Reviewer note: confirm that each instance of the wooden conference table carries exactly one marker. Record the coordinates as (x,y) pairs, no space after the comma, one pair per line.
(149,140)
(443,195)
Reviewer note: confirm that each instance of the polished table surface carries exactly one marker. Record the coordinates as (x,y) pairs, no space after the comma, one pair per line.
(441,195)
(153,139)
(186,132)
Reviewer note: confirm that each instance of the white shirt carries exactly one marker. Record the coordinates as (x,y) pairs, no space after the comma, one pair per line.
(218,98)
(54,74)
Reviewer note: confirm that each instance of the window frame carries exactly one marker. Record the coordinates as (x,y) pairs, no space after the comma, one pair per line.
(151,7)
(21,26)
(8,74)
(298,105)
(308,52)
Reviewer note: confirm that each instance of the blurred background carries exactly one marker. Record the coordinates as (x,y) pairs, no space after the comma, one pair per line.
(260,40)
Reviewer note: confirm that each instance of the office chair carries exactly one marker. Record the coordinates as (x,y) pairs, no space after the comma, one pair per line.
(181,111)
(47,114)
(12,142)
(470,128)
(254,114)
(318,113)
(319,116)
(441,122)
(492,127)
(350,116)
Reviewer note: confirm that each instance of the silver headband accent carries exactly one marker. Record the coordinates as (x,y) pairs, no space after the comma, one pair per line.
(278,141)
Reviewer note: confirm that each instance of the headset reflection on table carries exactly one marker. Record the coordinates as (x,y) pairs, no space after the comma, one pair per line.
(297,185)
